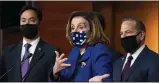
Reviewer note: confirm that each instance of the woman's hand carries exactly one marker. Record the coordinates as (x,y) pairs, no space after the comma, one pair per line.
(59,64)
(98,78)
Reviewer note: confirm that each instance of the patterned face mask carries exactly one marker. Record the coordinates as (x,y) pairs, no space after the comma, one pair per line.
(78,38)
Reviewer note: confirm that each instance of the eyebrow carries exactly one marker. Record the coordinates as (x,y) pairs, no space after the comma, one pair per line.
(23,18)
(82,23)
(129,30)
(29,18)
(32,18)
(79,24)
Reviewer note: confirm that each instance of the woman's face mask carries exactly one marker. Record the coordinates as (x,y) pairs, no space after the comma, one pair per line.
(78,38)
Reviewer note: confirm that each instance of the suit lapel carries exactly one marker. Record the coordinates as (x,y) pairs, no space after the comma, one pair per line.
(74,58)
(118,68)
(38,54)
(137,62)
(87,54)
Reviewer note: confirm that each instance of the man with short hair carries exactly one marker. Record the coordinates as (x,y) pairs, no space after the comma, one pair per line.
(32,58)
(140,64)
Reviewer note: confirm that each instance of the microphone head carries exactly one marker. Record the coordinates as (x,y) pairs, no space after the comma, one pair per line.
(58,49)
(30,55)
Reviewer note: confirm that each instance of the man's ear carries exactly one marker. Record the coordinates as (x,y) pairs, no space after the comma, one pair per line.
(38,24)
(142,35)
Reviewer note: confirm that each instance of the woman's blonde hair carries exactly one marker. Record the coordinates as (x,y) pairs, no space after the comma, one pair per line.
(96,33)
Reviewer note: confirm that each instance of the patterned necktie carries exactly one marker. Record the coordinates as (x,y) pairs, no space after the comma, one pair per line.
(126,68)
(25,63)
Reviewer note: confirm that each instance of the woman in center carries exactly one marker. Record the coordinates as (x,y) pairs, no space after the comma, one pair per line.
(89,56)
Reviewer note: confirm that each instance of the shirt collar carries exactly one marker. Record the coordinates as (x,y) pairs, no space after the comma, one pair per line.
(35,42)
(136,54)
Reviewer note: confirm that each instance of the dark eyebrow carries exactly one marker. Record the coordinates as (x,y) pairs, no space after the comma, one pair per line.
(29,18)
(23,18)
(32,18)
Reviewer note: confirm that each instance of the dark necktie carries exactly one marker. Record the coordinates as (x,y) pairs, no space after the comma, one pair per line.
(126,68)
(25,64)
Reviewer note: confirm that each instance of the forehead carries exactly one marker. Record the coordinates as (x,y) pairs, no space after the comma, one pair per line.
(78,19)
(128,25)
(28,13)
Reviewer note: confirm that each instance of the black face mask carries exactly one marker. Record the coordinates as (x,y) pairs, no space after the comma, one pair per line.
(29,31)
(130,43)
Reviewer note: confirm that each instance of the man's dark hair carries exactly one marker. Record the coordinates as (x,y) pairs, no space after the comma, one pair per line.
(139,24)
(37,10)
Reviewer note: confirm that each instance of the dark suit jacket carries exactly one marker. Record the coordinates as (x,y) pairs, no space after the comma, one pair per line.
(42,61)
(145,68)
(115,54)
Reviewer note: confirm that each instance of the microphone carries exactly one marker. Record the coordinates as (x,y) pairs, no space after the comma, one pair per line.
(31,67)
(59,50)
(30,55)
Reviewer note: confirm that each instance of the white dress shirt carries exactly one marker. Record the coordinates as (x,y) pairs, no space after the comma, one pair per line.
(31,49)
(134,55)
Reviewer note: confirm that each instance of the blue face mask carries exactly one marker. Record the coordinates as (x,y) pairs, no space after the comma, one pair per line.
(78,38)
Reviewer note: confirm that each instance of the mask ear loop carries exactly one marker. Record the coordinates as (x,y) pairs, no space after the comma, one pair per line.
(137,35)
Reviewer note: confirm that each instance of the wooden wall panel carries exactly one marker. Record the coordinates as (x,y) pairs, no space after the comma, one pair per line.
(146,12)
(55,17)
(56,13)
(106,9)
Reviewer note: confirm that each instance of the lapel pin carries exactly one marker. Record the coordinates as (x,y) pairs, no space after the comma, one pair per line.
(39,49)
(123,58)
(83,64)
